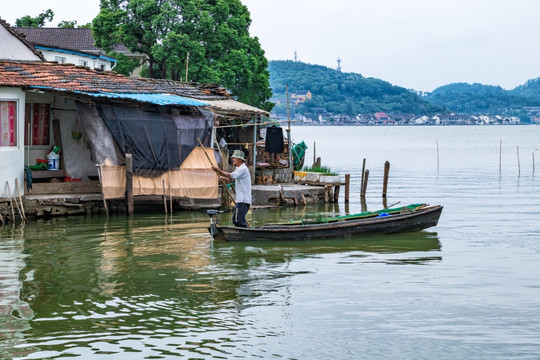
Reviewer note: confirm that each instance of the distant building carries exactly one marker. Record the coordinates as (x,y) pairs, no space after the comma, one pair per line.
(301,96)
(74,46)
(383,119)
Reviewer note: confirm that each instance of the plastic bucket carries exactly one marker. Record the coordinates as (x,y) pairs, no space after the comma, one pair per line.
(54,161)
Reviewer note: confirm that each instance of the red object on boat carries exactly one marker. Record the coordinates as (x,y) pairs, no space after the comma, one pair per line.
(70,179)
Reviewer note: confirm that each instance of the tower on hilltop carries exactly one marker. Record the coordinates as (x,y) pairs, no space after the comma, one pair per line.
(339,64)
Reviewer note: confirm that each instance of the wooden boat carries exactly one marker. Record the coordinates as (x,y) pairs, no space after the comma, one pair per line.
(409,218)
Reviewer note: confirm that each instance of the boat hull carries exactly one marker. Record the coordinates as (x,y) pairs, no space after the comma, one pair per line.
(408,222)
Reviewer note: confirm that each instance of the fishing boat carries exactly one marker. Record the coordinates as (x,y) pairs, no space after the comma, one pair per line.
(414,217)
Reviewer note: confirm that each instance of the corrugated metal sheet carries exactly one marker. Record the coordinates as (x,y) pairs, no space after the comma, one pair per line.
(152,98)
(158,99)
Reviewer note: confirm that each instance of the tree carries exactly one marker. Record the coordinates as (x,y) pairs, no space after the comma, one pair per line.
(38,21)
(215,34)
(66,24)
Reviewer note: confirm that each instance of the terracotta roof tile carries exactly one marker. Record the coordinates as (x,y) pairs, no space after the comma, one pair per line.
(26,74)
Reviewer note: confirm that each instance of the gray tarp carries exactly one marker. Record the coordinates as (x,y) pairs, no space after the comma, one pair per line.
(99,139)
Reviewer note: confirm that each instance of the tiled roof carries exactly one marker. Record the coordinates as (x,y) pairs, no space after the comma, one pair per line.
(21,39)
(79,39)
(69,78)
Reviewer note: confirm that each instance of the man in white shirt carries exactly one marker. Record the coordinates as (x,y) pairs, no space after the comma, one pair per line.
(242,183)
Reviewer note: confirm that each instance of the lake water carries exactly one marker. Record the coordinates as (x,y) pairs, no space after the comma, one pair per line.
(157,287)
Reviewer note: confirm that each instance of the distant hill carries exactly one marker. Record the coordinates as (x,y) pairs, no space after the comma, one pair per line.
(485,99)
(530,90)
(351,93)
(342,93)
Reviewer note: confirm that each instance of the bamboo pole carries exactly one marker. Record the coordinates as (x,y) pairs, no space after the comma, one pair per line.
(11,201)
(103,192)
(212,164)
(289,144)
(170,191)
(187,65)
(20,198)
(223,183)
(258,124)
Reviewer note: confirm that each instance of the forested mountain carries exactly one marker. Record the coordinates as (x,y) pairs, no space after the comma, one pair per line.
(530,90)
(342,93)
(485,99)
(351,93)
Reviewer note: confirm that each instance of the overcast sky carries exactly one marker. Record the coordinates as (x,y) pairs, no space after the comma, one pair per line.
(418,44)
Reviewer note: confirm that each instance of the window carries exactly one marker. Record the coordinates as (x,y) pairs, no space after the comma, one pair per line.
(60,60)
(8,123)
(37,124)
(83,62)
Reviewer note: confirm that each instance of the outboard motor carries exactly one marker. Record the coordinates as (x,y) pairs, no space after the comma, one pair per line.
(214,221)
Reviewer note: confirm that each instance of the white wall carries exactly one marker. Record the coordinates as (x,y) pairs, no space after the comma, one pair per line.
(74,152)
(12,48)
(75,59)
(12,157)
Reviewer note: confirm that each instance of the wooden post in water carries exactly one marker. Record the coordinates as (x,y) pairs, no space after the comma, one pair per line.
(500,155)
(347,182)
(533,161)
(437,154)
(363,174)
(364,187)
(385,179)
(129,185)
(363,204)
(164,196)
(336,193)
(519,166)
(314,153)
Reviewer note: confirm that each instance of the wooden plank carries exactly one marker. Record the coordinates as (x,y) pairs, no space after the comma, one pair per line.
(47,174)
(58,140)
(77,187)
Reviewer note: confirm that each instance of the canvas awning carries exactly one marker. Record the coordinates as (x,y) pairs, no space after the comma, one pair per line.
(233,106)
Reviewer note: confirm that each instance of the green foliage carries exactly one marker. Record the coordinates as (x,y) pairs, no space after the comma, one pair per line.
(211,36)
(67,24)
(343,93)
(530,90)
(319,169)
(124,65)
(38,21)
(484,99)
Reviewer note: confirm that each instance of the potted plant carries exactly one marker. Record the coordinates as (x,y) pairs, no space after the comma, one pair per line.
(321,174)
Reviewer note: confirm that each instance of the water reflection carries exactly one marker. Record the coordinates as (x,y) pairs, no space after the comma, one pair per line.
(154,283)
(418,245)
(15,313)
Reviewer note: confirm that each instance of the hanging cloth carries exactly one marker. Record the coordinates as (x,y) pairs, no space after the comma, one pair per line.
(274,140)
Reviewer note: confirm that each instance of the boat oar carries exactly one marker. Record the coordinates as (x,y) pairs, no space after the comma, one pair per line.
(223,182)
